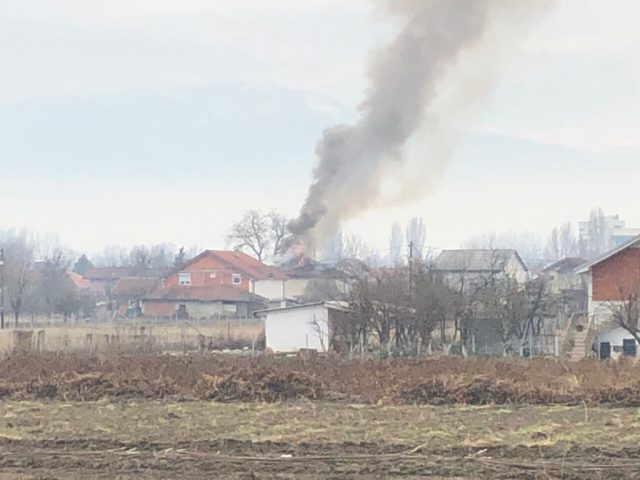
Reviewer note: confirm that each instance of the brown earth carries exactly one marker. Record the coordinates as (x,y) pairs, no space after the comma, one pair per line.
(129,439)
(443,381)
(247,460)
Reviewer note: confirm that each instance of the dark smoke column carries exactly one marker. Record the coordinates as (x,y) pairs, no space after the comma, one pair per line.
(403,80)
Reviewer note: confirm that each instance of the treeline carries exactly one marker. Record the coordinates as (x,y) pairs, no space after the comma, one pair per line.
(413,310)
(36,272)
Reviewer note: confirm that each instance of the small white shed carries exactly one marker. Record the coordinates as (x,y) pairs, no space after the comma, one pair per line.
(616,342)
(292,328)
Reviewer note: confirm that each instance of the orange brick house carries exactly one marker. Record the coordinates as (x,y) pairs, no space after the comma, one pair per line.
(221,267)
(613,280)
(613,277)
(215,283)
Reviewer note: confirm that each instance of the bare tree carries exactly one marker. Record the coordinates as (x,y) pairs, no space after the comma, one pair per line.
(351,331)
(529,245)
(521,311)
(562,243)
(396,245)
(354,247)
(568,241)
(18,272)
(140,258)
(626,310)
(179,259)
(53,283)
(261,234)
(113,256)
(279,233)
(594,238)
(417,235)
(252,233)
(322,289)
(431,303)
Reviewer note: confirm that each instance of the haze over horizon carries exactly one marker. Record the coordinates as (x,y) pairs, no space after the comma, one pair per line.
(144,122)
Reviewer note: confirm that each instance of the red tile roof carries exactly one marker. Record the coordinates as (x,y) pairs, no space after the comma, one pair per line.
(78,280)
(249,265)
(105,273)
(246,264)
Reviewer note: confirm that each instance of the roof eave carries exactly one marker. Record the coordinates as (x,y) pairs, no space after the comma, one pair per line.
(589,266)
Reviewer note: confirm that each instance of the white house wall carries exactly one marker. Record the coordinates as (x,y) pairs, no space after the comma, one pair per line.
(615,338)
(297,328)
(270,289)
(515,270)
(294,287)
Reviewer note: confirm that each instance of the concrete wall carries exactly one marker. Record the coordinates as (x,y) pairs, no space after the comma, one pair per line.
(566,280)
(515,270)
(270,289)
(293,329)
(196,309)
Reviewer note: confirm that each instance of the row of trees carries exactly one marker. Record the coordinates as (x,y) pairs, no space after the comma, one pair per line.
(265,236)
(35,280)
(563,241)
(37,287)
(411,312)
(159,257)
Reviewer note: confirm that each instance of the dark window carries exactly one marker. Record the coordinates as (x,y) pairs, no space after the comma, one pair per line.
(629,347)
(182,311)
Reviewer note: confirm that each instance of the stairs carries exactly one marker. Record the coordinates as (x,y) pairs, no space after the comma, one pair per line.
(579,350)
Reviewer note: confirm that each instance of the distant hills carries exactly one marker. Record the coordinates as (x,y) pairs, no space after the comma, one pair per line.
(230,132)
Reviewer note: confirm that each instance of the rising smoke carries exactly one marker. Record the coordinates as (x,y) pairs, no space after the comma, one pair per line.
(353,159)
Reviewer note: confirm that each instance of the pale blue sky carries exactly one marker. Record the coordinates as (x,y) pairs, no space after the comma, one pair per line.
(144,120)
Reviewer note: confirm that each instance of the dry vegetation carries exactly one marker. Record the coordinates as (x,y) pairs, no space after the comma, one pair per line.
(443,381)
(218,416)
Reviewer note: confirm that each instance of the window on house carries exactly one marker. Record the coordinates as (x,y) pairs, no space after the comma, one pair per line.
(236,279)
(181,311)
(230,308)
(184,278)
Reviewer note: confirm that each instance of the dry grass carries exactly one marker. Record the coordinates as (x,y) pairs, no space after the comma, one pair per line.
(443,381)
(163,439)
(446,427)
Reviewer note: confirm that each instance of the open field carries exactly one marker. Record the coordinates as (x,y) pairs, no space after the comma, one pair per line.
(217,416)
(130,439)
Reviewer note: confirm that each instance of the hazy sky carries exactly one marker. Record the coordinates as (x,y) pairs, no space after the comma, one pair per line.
(134,121)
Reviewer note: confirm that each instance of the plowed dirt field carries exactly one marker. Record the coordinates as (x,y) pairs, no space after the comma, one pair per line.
(194,440)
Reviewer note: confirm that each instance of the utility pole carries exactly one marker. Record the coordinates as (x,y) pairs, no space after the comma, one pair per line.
(2,288)
(410,269)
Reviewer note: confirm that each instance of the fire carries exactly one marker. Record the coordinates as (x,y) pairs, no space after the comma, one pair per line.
(298,248)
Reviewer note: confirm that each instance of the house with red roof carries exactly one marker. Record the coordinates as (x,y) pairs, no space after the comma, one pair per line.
(216,283)
(222,267)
